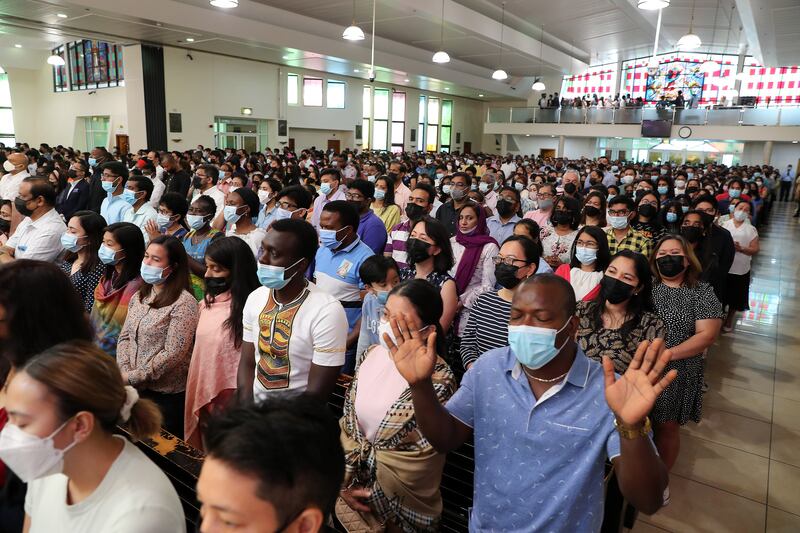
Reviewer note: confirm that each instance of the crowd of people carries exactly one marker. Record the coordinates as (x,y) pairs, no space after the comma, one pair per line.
(555,312)
(618,101)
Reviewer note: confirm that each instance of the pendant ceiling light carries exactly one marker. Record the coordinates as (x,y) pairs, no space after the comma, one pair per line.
(501,74)
(225,4)
(441,56)
(710,66)
(538,84)
(353,32)
(652,5)
(690,41)
(56,60)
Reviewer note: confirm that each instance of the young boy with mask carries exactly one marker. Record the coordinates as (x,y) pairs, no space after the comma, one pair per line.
(379,274)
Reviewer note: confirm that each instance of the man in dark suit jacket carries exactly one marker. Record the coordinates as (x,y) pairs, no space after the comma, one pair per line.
(75,196)
(98,156)
(175,179)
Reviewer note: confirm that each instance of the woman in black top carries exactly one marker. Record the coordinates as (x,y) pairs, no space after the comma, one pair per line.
(79,261)
(647,220)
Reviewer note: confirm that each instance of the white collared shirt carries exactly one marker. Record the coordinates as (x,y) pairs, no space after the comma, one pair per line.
(141,217)
(40,239)
(9,185)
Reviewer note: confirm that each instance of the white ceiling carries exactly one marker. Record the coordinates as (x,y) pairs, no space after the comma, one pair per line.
(307,33)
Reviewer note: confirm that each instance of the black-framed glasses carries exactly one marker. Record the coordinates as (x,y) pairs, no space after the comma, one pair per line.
(508,260)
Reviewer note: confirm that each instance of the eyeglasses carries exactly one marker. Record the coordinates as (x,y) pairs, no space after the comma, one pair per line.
(653,203)
(615,213)
(586,244)
(545,195)
(508,260)
(354,197)
(109,176)
(287,206)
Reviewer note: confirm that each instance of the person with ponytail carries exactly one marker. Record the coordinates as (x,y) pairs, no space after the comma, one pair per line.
(64,406)
(230,277)
(392,473)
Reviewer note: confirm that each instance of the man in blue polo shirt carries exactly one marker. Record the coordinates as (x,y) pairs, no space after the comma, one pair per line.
(338,261)
(543,416)
(114,207)
(371,230)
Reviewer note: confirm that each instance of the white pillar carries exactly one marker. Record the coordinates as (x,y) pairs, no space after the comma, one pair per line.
(560,151)
(767,152)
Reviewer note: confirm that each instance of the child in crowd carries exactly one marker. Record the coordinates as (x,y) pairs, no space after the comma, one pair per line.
(379,274)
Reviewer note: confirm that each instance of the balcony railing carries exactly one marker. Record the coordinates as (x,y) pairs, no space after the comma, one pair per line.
(728,116)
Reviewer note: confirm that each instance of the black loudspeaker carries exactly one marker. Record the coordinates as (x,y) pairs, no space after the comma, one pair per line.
(283,128)
(359,132)
(413,135)
(458,137)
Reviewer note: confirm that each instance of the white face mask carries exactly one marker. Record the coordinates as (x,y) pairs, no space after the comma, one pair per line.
(29,456)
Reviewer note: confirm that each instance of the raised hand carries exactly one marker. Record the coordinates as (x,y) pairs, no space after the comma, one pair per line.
(632,396)
(414,355)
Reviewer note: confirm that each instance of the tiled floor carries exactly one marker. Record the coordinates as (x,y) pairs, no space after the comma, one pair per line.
(739,469)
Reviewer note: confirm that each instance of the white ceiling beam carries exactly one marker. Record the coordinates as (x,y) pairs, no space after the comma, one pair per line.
(757,23)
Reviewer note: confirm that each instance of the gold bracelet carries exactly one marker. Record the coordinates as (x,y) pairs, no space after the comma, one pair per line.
(632,433)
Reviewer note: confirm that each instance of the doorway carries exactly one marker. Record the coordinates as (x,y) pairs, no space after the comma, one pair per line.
(547,152)
(291,144)
(123,144)
(240,134)
(335,145)
(467,147)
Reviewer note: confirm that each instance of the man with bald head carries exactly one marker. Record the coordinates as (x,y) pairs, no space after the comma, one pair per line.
(543,416)
(16,170)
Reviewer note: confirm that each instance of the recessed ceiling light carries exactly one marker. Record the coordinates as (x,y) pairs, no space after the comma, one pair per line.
(17,46)
(527,135)
(287,57)
(356,70)
(795,142)
(447,88)
(189,40)
(225,4)
(480,96)
(61,15)
(406,80)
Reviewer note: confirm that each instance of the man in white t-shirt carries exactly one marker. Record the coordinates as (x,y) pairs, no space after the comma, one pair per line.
(294,334)
(16,170)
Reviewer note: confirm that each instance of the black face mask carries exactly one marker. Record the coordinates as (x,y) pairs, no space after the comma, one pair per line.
(417,251)
(506,275)
(5,225)
(647,210)
(504,207)
(692,233)
(570,188)
(72,174)
(216,286)
(691,190)
(196,182)
(562,217)
(414,211)
(22,207)
(591,211)
(615,290)
(670,265)
(356,205)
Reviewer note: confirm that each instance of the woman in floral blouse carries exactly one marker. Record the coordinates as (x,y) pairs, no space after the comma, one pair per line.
(557,236)
(155,343)
(622,315)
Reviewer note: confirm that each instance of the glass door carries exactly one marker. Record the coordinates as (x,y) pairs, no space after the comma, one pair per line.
(240,134)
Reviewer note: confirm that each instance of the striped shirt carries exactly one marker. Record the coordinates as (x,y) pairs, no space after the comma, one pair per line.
(396,243)
(487,327)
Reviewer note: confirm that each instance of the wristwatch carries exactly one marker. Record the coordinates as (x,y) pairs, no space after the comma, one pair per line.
(632,433)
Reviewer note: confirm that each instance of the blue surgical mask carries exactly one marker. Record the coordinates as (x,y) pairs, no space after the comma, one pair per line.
(382,296)
(446,189)
(152,274)
(618,222)
(70,242)
(379,194)
(740,216)
(163,221)
(370,179)
(325,188)
(685,208)
(328,238)
(92,162)
(274,277)
(230,214)
(545,203)
(519,186)
(129,196)
(610,196)
(731,208)
(672,217)
(690,175)
(282,214)
(109,186)
(195,221)
(107,255)
(586,256)
(734,193)
(474,187)
(533,346)
(663,190)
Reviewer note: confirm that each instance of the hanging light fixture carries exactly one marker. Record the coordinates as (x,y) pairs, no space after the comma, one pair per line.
(538,84)
(225,4)
(710,66)
(441,56)
(652,5)
(690,41)
(353,32)
(501,74)
(56,60)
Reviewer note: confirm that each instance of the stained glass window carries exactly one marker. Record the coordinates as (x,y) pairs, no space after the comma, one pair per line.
(89,65)
(770,85)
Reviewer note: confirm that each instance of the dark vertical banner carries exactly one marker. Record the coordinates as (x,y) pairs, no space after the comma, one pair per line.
(155,104)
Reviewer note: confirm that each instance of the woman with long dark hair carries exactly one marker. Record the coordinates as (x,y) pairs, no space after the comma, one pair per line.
(621,316)
(647,220)
(155,342)
(121,252)
(79,260)
(379,428)
(383,205)
(589,257)
(230,277)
